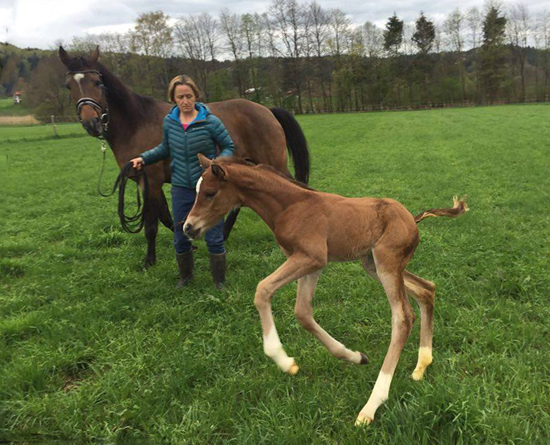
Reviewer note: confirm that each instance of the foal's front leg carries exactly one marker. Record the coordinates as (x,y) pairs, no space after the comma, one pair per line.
(304,313)
(294,267)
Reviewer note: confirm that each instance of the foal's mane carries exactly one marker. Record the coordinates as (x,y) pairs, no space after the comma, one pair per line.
(136,108)
(232,160)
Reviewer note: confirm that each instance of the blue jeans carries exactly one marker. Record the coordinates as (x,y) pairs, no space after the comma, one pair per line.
(182,203)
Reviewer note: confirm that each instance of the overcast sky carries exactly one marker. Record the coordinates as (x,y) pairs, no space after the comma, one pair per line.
(42,23)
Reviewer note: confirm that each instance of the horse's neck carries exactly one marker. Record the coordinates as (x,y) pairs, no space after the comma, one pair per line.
(269,195)
(128,118)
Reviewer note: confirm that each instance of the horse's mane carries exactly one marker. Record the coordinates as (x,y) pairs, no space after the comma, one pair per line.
(240,161)
(136,108)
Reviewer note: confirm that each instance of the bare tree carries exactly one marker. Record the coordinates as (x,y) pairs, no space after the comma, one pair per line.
(197,38)
(232,30)
(319,34)
(289,19)
(453,28)
(518,29)
(474,20)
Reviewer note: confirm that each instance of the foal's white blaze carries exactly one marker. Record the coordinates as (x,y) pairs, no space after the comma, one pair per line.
(424,360)
(274,349)
(379,395)
(199,182)
(78,77)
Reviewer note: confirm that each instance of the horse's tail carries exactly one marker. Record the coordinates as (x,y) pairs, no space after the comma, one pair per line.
(459,208)
(296,142)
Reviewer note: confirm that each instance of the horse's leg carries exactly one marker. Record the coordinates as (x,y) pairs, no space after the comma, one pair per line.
(152,212)
(390,272)
(229,222)
(296,266)
(304,314)
(423,291)
(165,216)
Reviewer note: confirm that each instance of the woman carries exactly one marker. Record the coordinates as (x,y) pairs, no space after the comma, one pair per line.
(190,129)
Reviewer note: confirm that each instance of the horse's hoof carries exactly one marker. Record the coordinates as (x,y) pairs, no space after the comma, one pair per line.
(417,375)
(362,420)
(364,359)
(294,369)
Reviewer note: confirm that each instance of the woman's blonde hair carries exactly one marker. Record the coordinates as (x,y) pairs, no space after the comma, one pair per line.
(182,79)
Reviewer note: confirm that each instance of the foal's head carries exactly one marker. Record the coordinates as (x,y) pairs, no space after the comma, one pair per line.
(85,83)
(215,197)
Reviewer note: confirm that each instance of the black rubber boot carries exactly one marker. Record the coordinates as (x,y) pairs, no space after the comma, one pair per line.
(185,267)
(217,268)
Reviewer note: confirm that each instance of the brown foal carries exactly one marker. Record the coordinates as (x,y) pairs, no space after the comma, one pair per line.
(313,228)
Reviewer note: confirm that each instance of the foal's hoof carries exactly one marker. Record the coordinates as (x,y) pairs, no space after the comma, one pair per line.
(362,420)
(294,369)
(364,359)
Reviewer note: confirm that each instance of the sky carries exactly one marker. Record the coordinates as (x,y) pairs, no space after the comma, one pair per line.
(43,23)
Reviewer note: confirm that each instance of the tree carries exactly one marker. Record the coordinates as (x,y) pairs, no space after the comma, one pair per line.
(152,37)
(393,35)
(493,52)
(518,29)
(453,28)
(424,36)
(231,27)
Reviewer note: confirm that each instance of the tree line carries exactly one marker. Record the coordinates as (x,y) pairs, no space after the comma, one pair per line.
(310,59)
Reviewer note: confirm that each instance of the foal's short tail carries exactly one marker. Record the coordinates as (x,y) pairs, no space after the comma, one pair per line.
(296,143)
(459,207)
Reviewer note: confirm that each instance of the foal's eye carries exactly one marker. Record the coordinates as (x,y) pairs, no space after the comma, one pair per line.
(210,195)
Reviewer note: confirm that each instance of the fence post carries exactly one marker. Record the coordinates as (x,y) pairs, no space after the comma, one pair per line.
(54,127)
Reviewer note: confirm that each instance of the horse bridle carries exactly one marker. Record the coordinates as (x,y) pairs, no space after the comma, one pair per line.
(103,112)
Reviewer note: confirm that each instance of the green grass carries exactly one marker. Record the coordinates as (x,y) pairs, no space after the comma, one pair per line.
(93,348)
(8,108)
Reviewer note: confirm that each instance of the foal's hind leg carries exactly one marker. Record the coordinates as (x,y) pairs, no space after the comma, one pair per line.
(390,273)
(304,314)
(423,291)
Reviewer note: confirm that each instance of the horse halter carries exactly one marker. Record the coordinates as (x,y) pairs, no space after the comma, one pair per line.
(103,112)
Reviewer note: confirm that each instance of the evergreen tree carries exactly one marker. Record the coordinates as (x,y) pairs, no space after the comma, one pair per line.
(493,53)
(424,36)
(393,35)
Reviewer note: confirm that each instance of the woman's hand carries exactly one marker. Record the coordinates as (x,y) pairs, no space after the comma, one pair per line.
(137,163)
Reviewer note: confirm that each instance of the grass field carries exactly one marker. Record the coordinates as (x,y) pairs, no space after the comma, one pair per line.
(7,108)
(93,348)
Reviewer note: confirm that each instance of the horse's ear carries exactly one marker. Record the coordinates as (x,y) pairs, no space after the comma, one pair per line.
(219,171)
(63,56)
(204,161)
(95,55)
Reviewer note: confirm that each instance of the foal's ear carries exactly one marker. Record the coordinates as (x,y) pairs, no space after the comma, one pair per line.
(63,56)
(95,55)
(204,161)
(219,171)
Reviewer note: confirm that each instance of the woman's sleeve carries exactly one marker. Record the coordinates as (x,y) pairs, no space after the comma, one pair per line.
(221,136)
(160,152)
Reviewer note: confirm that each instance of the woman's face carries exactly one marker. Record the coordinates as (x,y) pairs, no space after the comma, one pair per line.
(185,98)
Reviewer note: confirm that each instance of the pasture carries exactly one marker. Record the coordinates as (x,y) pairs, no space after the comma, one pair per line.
(93,348)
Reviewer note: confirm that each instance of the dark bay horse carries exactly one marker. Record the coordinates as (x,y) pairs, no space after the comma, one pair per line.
(313,228)
(132,124)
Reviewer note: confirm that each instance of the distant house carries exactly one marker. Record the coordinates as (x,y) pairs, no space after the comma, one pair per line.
(17,97)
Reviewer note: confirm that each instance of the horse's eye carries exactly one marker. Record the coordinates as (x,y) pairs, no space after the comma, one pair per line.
(67,86)
(210,195)
(98,83)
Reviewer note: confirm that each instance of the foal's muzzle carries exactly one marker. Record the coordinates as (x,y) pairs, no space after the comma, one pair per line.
(190,231)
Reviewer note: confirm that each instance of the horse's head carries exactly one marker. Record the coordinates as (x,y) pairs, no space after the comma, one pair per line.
(215,197)
(85,83)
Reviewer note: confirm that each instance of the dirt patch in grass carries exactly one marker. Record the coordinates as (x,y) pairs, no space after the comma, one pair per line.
(18,120)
